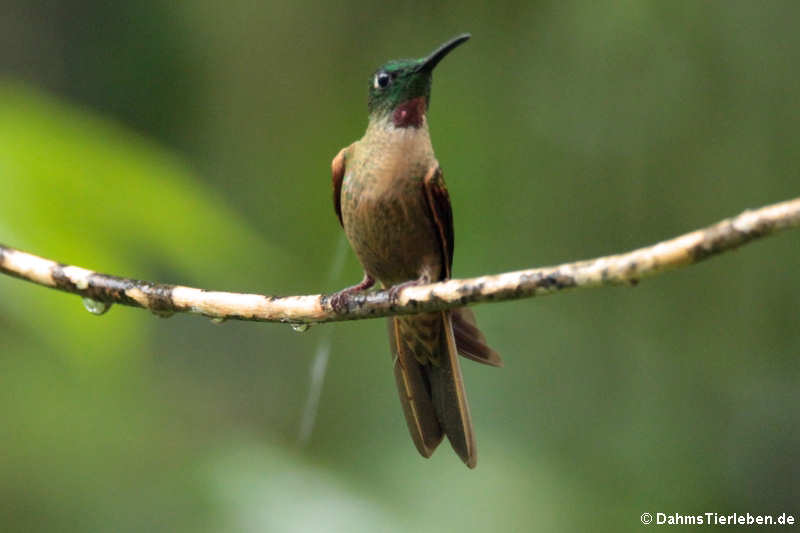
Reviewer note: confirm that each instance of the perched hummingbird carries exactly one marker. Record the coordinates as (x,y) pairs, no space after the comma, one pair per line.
(391,199)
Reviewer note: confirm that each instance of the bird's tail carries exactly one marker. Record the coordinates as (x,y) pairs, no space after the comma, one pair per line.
(428,375)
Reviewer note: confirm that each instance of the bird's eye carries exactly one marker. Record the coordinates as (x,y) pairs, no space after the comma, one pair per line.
(382,79)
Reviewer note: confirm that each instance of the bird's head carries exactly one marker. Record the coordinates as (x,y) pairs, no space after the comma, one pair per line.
(402,87)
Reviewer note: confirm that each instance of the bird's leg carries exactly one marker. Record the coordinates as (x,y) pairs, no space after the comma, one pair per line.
(394,290)
(338,299)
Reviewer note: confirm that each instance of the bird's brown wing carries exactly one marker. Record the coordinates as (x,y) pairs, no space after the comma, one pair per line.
(443,372)
(441,214)
(470,341)
(337,171)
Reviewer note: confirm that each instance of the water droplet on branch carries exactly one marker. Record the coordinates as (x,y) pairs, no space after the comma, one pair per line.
(300,327)
(96,307)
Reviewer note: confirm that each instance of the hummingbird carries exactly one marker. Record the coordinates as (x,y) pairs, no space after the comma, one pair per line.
(391,199)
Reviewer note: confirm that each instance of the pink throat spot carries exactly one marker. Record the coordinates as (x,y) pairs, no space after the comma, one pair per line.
(410,113)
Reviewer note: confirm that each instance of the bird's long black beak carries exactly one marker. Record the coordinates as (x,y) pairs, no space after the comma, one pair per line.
(437,55)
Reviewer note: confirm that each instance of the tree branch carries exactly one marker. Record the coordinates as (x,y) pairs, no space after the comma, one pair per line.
(627,268)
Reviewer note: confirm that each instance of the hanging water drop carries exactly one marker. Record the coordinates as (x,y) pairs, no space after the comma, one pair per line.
(300,327)
(162,313)
(96,307)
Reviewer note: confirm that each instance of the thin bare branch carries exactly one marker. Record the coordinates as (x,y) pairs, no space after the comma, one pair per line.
(627,268)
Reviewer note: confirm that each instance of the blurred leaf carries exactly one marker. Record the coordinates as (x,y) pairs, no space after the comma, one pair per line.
(83,190)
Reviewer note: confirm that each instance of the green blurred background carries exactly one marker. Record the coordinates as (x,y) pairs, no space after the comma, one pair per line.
(187,142)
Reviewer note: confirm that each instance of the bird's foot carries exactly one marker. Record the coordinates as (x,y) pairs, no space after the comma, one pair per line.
(338,300)
(394,290)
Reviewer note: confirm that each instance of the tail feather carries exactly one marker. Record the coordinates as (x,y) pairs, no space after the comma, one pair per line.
(415,394)
(430,384)
(450,398)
